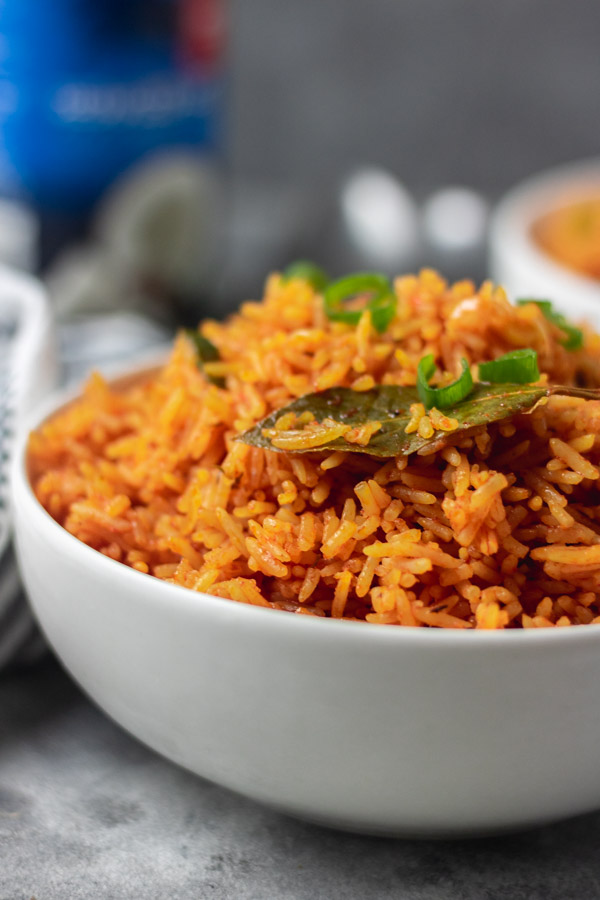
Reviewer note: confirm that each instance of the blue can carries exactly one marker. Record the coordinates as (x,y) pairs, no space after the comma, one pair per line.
(107,109)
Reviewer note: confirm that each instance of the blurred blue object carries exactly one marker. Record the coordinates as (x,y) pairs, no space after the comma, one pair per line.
(111,111)
(90,86)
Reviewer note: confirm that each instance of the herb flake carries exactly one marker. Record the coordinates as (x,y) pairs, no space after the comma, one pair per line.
(206,352)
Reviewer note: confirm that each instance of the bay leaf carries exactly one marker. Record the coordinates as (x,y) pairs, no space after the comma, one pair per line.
(390,405)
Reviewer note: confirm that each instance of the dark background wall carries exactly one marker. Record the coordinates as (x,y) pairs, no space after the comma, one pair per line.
(479,92)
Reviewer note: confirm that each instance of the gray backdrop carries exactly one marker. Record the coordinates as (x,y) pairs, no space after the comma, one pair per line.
(441,91)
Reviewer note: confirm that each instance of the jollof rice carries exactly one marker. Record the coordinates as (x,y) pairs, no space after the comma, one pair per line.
(500,529)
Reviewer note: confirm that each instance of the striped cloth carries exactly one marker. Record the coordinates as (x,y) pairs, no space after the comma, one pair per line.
(27,365)
(33,354)
(18,635)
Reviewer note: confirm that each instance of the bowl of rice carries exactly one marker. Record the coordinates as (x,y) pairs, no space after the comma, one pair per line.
(340,552)
(545,238)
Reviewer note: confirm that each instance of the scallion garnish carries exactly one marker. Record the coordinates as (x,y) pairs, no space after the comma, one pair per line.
(442,397)
(383,311)
(516,367)
(574,336)
(206,352)
(307,271)
(381,302)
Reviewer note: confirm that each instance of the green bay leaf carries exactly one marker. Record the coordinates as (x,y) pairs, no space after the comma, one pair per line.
(390,405)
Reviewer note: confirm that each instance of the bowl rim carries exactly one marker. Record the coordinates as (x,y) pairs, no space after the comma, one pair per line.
(523,204)
(157,591)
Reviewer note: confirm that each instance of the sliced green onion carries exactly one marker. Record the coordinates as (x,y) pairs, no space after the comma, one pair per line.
(382,301)
(206,352)
(544,305)
(574,336)
(307,271)
(383,311)
(516,367)
(443,397)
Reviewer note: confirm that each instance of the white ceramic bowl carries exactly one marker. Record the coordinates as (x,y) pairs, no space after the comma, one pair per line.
(520,264)
(380,729)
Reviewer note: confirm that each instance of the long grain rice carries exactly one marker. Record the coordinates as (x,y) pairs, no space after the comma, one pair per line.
(498,529)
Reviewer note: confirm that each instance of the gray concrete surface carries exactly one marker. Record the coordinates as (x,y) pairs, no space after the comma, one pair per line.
(87,812)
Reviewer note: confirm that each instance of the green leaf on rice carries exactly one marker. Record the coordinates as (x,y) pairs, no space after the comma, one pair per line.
(206,352)
(390,405)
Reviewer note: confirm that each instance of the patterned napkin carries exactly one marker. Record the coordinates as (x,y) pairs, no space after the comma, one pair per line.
(27,369)
(35,355)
